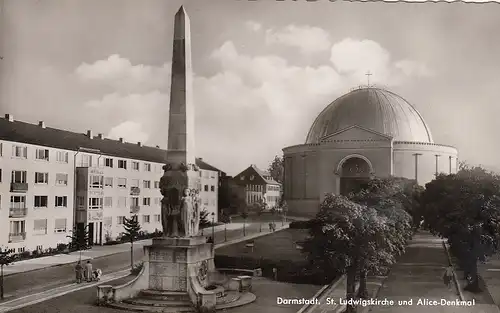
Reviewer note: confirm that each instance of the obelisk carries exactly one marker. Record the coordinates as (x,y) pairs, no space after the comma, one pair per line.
(179,184)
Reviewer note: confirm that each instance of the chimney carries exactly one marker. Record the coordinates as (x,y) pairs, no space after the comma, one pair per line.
(100,136)
(89,134)
(201,159)
(158,147)
(120,140)
(9,117)
(139,144)
(41,124)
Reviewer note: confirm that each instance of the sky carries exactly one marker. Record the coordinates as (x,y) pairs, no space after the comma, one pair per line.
(263,69)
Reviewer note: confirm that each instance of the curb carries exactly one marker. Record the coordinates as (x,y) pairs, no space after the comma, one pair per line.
(455,278)
(333,285)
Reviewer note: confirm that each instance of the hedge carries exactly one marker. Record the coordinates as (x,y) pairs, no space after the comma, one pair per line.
(287,271)
(300,224)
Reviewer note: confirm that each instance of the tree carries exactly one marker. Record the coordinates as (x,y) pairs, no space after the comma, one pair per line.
(464,209)
(391,198)
(204,221)
(132,228)
(260,208)
(276,169)
(79,238)
(7,257)
(344,236)
(244,215)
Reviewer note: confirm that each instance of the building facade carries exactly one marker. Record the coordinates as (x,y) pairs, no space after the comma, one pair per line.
(209,188)
(369,132)
(53,180)
(258,184)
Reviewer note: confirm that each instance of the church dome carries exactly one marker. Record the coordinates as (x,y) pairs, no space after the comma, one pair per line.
(375,109)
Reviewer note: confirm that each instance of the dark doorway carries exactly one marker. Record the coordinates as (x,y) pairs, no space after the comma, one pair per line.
(355,173)
(91,234)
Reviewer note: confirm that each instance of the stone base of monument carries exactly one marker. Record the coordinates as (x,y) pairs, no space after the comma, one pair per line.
(178,275)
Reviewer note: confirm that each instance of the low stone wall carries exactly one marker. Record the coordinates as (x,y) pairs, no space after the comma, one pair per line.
(134,287)
(239,271)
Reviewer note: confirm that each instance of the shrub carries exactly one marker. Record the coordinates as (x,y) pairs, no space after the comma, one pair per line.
(300,224)
(137,268)
(61,247)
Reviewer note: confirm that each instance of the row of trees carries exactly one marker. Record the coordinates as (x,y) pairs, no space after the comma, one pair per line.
(363,233)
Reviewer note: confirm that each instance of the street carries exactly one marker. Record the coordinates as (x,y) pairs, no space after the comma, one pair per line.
(21,284)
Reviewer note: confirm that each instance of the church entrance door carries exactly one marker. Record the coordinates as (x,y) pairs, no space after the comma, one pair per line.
(355,173)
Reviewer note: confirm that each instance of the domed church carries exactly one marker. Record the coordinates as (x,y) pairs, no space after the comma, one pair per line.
(369,132)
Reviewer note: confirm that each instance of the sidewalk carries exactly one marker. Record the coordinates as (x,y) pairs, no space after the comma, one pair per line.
(417,276)
(28,300)
(94,252)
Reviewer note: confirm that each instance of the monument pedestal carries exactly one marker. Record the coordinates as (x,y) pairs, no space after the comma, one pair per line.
(175,273)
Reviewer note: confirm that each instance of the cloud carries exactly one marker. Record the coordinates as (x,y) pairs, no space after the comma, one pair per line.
(412,68)
(308,39)
(130,131)
(252,107)
(120,74)
(253,26)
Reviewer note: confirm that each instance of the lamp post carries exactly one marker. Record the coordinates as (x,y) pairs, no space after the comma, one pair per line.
(213,227)
(225,232)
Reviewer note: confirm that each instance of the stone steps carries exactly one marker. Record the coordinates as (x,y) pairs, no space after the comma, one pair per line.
(159,303)
(165,295)
(148,308)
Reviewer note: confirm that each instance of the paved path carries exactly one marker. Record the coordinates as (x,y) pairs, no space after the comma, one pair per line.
(418,276)
(21,302)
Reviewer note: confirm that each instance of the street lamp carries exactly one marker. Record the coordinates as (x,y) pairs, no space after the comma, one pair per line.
(213,227)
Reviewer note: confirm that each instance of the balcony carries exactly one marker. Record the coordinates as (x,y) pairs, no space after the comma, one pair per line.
(134,209)
(17,237)
(18,187)
(17,212)
(135,191)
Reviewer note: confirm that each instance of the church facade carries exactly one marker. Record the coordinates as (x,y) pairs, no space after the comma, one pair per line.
(368,132)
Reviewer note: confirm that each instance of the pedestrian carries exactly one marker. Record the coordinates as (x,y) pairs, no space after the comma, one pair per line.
(79,272)
(448,276)
(88,271)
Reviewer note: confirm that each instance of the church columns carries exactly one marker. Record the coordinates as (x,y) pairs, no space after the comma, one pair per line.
(304,178)
(437,164)
(416,165)
(450,157)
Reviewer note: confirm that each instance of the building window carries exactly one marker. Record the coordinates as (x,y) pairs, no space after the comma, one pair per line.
(18,228)
(108,162)
(18,202)
(147,167)
(41,178)
(42,154)
(135,165)
(206,174)
(1,149)
(95,203)
(41,201)
(62,156)
(19,177)
(122,202)
(206,188)
(40,227)
(80,201)
(212,188)
(146,184)
(122,183)
(120,220)
(157,183)
(135,201)
(61,179)
(108,202)
(1,175)
(96,181)
(157,218)
(60,225)
(86,160)
(20,152)
(122,164)
(134,183)
(108,182)
(212,174)
(242,178)
(205,201)
(61,201)
(146,219)
(146,201)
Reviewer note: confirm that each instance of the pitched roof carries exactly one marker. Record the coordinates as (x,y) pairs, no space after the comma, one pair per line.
(23,132)
(264,175)
(205,166)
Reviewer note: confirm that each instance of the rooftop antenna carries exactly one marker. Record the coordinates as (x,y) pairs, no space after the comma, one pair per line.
(368,74)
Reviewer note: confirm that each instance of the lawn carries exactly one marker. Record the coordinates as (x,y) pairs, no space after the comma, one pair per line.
(276,246)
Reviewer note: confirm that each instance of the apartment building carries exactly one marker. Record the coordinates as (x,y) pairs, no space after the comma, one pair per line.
(209,188)
(259,184)
(52,180)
